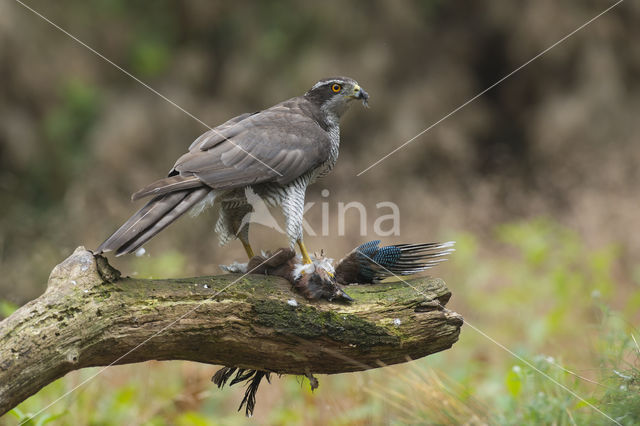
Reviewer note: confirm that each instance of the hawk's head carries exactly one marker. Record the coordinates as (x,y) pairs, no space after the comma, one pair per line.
(333,95)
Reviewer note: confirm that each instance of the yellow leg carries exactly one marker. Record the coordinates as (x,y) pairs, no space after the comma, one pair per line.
(305,254)
(247,248)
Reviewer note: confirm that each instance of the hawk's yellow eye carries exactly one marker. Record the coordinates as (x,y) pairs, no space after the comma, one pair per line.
(336,88)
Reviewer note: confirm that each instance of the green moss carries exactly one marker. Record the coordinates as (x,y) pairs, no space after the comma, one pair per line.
(432,288)
(308,322)
(102,295)
(70,312)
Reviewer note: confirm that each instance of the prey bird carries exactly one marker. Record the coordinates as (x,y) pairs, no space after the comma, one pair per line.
(366,264)
(275,153)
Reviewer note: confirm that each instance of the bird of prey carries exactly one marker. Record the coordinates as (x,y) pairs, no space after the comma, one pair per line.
(275,153)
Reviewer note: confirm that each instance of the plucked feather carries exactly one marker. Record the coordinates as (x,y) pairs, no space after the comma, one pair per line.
(253,379)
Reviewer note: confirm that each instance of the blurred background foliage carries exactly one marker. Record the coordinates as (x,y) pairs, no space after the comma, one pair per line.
(537,181)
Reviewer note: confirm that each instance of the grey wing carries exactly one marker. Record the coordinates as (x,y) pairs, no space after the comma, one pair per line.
(220,133)
(275,145)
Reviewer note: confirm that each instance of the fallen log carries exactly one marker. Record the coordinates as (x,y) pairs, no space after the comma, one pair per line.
(89,316)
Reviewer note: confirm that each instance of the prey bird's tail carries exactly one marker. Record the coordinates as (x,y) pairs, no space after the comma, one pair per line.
(370,263)
(156,215)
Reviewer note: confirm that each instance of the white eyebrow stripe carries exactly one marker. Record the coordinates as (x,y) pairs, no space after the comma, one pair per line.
(325,82)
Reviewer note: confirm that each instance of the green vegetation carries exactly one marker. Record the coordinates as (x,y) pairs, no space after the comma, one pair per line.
(547,294)
(6,308)
(559,139)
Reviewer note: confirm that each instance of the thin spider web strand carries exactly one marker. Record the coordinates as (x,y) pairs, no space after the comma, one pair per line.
(145,84)
(374,164)
(146,340)
(490,87)
(506,349)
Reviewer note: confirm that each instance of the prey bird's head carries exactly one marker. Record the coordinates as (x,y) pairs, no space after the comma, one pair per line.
(333,95)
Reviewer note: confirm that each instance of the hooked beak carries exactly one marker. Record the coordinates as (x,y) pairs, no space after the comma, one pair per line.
(340,294)
(360,93)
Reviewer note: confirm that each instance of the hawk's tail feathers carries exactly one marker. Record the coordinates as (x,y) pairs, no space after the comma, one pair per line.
(167,185)
(156,215)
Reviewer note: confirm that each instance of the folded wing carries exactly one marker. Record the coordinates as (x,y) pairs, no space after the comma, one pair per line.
(275,145)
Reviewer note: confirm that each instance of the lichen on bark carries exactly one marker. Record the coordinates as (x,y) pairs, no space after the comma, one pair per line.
(90,316)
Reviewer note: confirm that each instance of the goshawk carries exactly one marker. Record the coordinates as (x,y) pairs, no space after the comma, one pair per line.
(276,153)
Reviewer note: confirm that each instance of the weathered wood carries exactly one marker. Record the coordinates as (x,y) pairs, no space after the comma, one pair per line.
(89,317)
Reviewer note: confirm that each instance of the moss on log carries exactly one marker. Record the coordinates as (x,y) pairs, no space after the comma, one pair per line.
(89,316)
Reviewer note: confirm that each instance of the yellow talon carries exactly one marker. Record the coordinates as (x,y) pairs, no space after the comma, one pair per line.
(248,249)
(305,254)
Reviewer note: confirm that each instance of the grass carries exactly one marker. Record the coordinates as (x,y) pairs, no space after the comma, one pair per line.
(536,287)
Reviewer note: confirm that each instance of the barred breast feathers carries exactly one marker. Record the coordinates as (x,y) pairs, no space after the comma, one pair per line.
(327,166)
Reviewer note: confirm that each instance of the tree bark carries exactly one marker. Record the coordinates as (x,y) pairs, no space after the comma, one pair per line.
(89,317)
